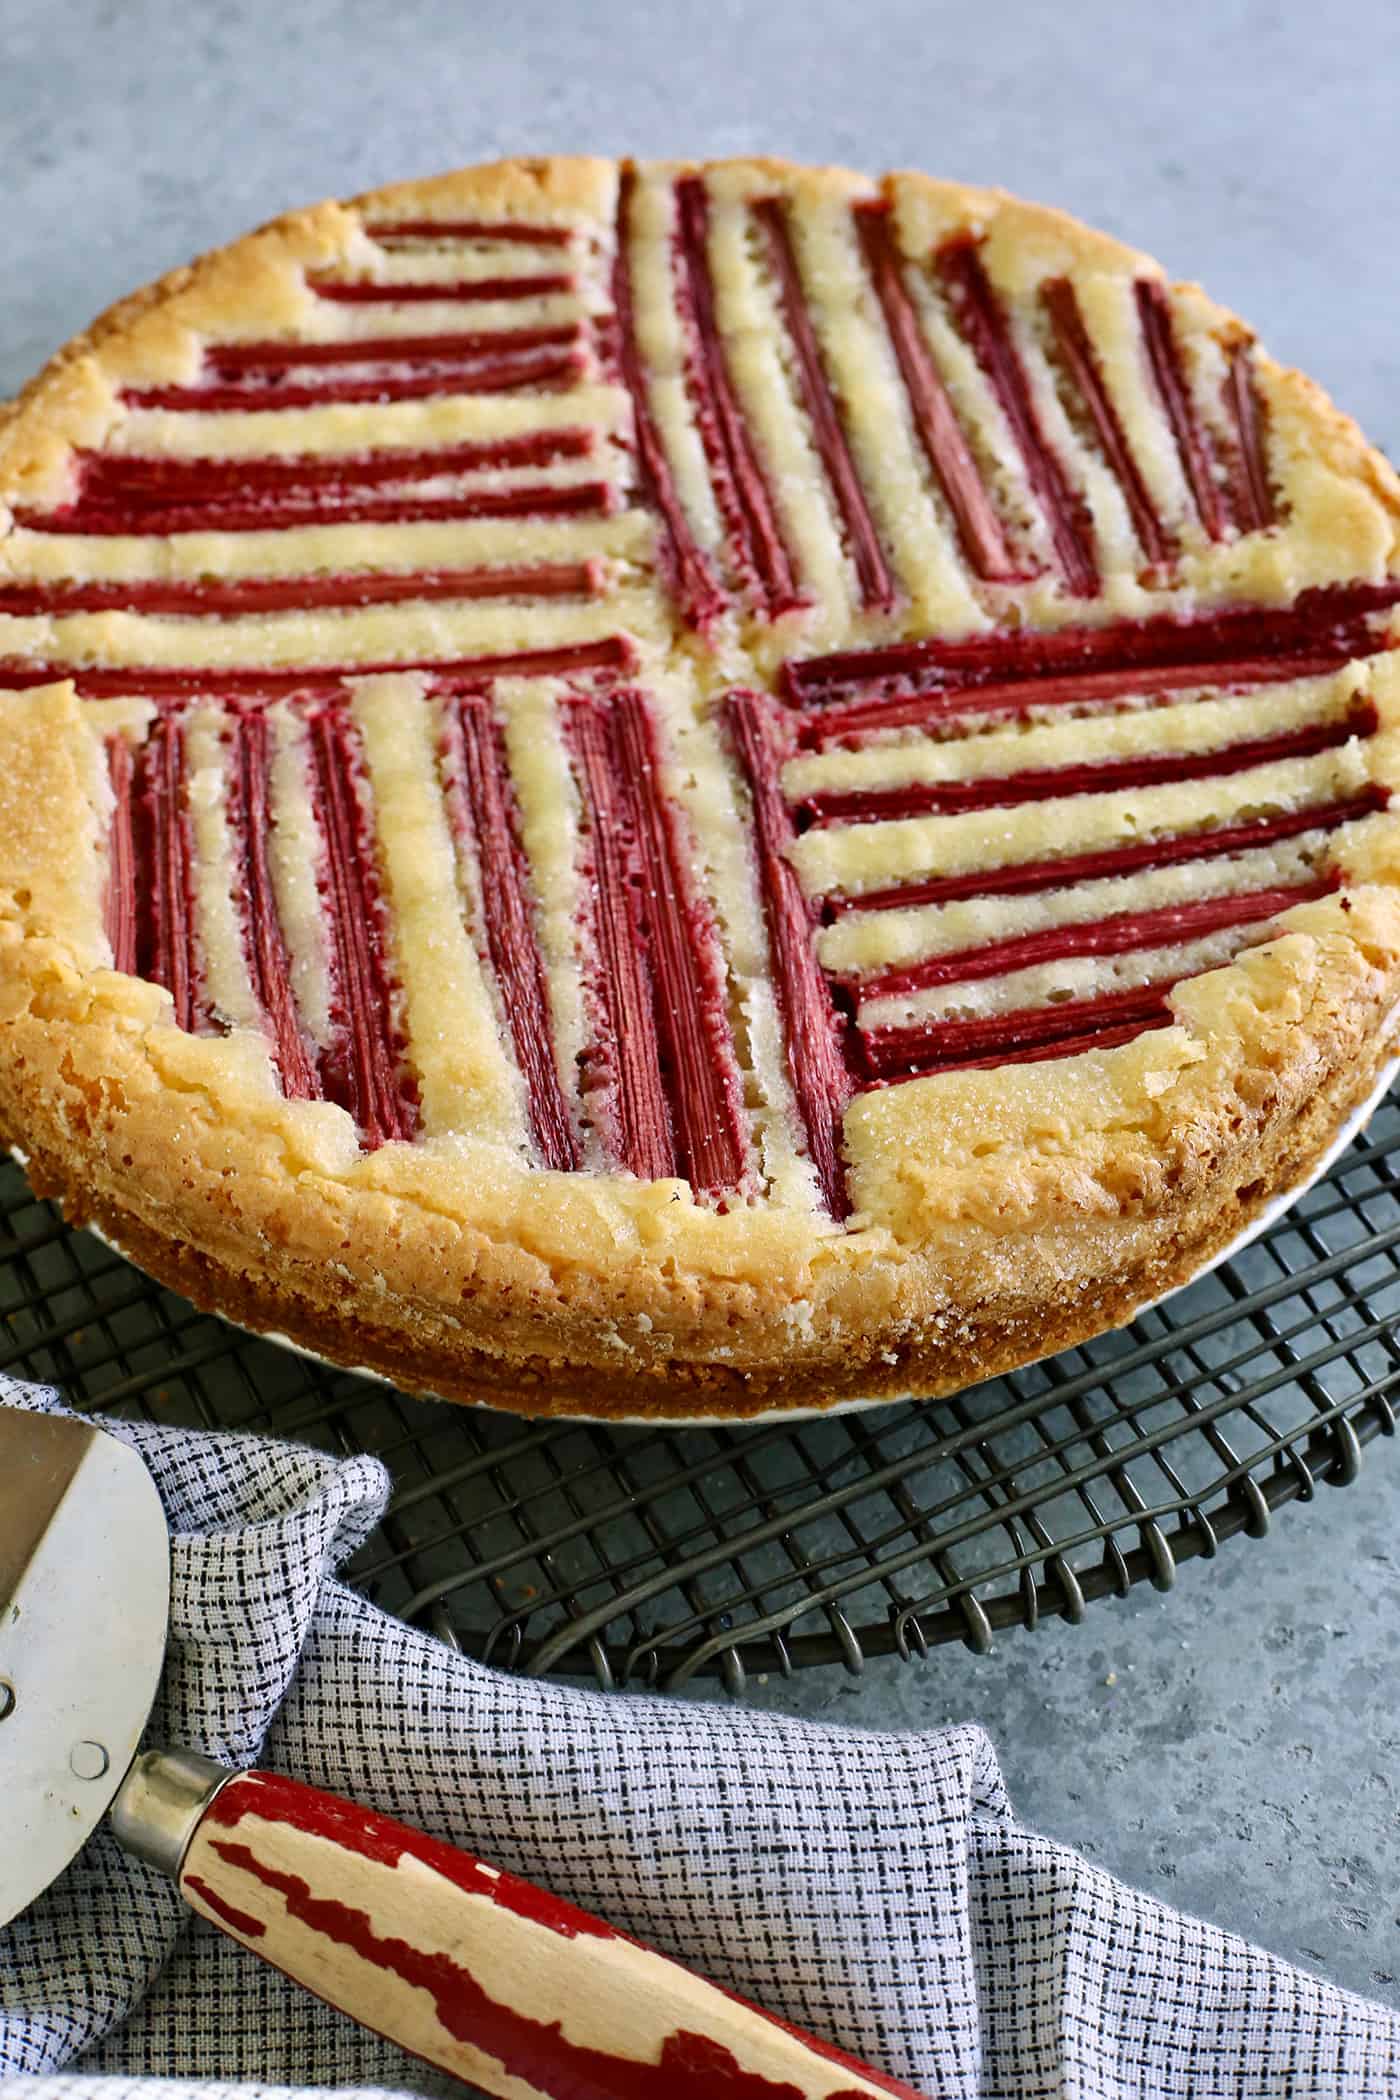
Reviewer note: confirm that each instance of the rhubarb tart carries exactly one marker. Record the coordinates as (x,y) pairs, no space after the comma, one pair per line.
(677,790)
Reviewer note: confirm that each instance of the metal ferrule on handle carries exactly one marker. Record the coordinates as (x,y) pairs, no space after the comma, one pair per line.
(162,1802)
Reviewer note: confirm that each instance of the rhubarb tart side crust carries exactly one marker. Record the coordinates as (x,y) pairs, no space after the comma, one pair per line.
(676,789)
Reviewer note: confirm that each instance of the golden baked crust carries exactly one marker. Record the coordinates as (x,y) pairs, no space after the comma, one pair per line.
(992,1214)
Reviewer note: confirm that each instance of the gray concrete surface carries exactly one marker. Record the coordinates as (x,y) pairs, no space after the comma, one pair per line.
(1235,1746)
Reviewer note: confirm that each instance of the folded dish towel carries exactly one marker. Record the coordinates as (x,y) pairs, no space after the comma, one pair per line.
(877,1889)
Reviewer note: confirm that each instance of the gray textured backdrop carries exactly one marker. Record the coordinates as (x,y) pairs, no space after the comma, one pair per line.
(1235,1746)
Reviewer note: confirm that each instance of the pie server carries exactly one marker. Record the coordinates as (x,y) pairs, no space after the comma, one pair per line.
(461,1963)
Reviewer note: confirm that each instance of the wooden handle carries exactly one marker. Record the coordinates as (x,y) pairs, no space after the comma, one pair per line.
(480,1973)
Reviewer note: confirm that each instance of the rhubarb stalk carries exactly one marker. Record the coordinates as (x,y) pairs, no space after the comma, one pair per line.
(979,314)
(679,1099)
(1122,934)
(945,447)
(1026,878)
(1050,783)
(484,808)
(741,487)
(264,944)
(361,1068)
(877,587)
(821,1084)
(1061,304)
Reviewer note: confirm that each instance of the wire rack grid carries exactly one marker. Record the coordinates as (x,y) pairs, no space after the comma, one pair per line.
(650,1556)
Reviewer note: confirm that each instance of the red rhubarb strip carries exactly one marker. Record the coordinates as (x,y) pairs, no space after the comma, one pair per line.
(503,375)
(935,419)
(1061,304)
(361,1068)
(816,1063)
(486,821)
(1192,444)
(163,870)
(1025,878)
(1254,496)
(120,477)
(257,594)
(740,485)
(272,513)
(120,900)
(623,1065)
(231,360)
(1321,619)
(471,291)
(697,1045)
(677,1090)
(1050,783)
(1068,1046)
(1058,1031)
(1122,934)
(264,943)
(533,235)
(611,653)
(877,585)
(924,709)
(687,571)
(979,314)
(920,710)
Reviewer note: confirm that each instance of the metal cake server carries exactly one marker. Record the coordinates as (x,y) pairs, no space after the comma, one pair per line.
(465,1965)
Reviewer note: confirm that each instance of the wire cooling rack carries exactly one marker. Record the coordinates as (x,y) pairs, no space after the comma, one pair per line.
(649,1556)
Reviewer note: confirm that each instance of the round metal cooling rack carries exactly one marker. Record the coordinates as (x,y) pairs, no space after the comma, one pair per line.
(649,1556)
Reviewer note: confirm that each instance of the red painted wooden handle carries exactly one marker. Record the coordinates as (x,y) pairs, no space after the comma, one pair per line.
(481,1973)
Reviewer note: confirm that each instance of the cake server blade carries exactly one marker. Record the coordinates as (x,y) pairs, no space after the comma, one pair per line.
(84,1602)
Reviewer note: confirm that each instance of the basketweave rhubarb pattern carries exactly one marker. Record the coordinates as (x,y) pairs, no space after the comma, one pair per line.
(704,664)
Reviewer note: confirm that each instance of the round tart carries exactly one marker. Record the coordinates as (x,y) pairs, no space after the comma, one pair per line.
(676,790)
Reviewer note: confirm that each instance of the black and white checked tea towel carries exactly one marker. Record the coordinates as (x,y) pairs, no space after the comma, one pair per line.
(874,1888)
